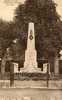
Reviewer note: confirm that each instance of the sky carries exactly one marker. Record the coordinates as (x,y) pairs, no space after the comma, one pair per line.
(7,8)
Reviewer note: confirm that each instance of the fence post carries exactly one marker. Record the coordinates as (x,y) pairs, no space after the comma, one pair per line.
(48,75)
(11,74)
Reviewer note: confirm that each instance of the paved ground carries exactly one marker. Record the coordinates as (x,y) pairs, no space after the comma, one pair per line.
(31,90)
(30,94)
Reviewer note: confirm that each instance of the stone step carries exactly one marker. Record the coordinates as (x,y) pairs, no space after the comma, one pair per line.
(32,84)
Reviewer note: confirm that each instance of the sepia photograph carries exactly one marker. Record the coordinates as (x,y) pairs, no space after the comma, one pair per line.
(30,50)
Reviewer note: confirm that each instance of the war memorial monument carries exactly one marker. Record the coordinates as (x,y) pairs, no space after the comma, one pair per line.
(30,63)
(29,84)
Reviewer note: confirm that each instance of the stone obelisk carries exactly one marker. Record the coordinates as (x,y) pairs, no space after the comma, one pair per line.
(30,64)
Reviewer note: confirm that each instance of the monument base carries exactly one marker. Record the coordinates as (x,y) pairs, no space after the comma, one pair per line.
(31,70)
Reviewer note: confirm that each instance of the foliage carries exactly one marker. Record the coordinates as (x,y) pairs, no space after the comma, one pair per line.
(47,25)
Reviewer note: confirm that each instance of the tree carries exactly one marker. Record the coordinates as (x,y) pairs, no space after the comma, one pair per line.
(43,14)
(7,35)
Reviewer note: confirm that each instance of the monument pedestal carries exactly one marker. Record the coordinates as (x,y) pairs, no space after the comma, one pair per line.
(32,70)
(30,64)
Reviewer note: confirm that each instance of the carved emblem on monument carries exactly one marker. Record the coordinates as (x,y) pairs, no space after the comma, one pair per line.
(31,36)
